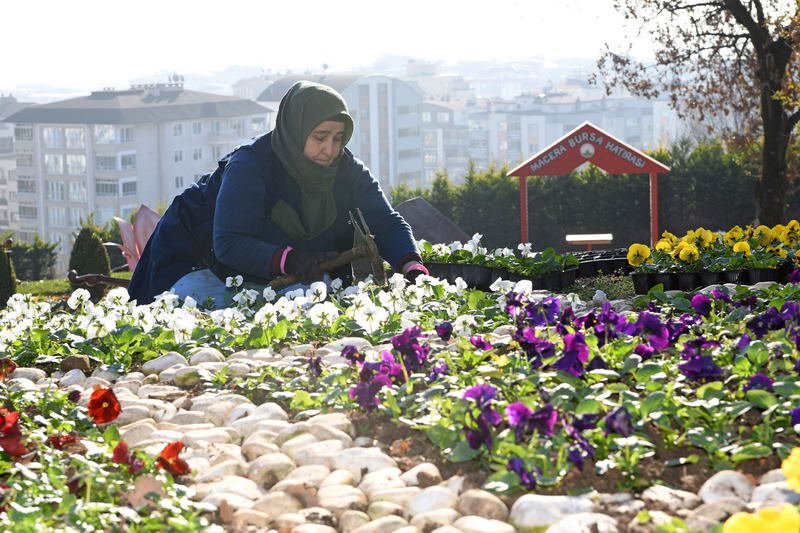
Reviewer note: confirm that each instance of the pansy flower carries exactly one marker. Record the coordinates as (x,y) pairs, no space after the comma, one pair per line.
(701,304)
(103,406)
(7,367)
(480,343)
(619,421)
(700,368)
(444,330)
(527,478)
(10,434)
(576,353)
(352,354)
(60,441)
(759,381)
(168,459)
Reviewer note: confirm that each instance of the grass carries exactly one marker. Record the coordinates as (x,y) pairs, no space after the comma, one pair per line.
(55,287)
(615,287)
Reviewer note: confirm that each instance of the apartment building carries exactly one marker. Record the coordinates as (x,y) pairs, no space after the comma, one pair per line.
(445,140)
(387,117)
(9,212)
(110,151)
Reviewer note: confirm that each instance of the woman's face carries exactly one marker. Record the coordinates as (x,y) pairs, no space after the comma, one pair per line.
(324,143)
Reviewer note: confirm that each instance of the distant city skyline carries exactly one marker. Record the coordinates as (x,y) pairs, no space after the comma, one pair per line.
(90,44)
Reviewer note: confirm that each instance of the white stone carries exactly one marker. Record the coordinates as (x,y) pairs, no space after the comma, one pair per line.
(242,486)
(726,484)
(239,412)
(311,475)
(339,344)
(357,460)
(339,421)
(187,417)
(277,503)
(291,431)
(205,354)
(422,475)
(216,413)
(163,362)
(270,468)
(325,432)
(238,370)
(537,510)
(289,521)
(32,374)
(73,377)
(256,446)
(106,373)
(243,518)
(583,523)
(383,508)
(433,519)
(324,452)
(234,500)
(481,503)
(136,434)
(671,499)
(340,477)
(349,521)
(340,498)
(775,493)
(190,376)
(772,476)
(231,467)
(132,413)
(431,499)
(385,478)
(292,445)
(478,524)
(313,528)
(91,382)
(220,434)
(400,496)
(386,524)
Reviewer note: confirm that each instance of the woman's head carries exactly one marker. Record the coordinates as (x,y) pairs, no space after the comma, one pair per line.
(312,120)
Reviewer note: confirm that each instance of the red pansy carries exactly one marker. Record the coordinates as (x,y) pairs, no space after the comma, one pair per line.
(122,456)
(59,441)
(10,435)
(168,459)
(7,366)
(104,406)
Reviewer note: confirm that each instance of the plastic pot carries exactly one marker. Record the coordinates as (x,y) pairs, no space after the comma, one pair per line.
(732,276)
(755,275)
(687,281)
(568,276)
(551,281)
(667,279)
(710,278)
(439,270)
(642,281)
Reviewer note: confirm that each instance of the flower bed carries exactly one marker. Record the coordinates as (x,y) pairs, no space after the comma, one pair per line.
(702,257)
(479,268)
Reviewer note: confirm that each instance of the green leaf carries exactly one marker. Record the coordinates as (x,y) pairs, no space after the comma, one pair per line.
(680,461)
(111,435)
(462,452)
(441,436)
(302,400)
(761,398)
(787,389)
(758,353)
(280,330)
(710,390)
(646,371)
(753,450)
(653,402)
(588,407)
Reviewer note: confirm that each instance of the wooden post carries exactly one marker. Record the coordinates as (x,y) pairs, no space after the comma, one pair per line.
(653,208)
(523,209)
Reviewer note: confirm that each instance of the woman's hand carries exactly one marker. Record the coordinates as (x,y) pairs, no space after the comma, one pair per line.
(305,265)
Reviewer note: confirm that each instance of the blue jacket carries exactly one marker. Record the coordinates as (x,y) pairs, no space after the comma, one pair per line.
(223,222)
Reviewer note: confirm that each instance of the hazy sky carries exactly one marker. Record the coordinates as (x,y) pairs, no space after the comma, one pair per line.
(88,44)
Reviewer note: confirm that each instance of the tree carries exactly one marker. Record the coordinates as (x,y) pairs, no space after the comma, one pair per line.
(724,57)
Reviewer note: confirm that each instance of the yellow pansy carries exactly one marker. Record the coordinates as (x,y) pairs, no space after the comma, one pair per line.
(690,237)
(742,246)
(689,253)
(791,469)
(784,519)
(779,251)
(777,229)
(732,235)
(637,254)
(791,233)
(763,234)
(671,237)
(664,245)
(705,237)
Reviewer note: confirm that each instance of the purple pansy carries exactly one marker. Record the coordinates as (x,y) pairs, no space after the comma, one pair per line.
(576,353)
(650,327)
(488,418)
(315,366)
(721,294)
(438,370)
(695,347)
(543,313)
(514,302)
(795,415)
(700,368)
(619,421)
(480,343)
(444,330)
(759,381)
(794,276)
(744,342)
(770,320)
(644,350)
(527,479)
(534,347)
(701,304)
(413,353)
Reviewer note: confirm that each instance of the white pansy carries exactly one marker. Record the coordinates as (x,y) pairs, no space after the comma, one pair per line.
(78,297)
(501,285)
(441,249)
(397,281)
(350,291)
(336,284)
(288,308)
(409,319)
(269,294)
(371,317)
(245,297)
(99,327)
(414,294)
(323,313)
(524,248)
(189,303)
(295,293)
(267,315)
(118,296)
(455,245)
(524,286)
(463,325)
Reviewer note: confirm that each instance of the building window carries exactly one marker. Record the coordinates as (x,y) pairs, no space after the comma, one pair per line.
(75,138)
(177,156)
(430,159)
(426,117)
(404,154)
(76,216)
(28,212)
(127,161)
(53,164)
(22,134)
(77,191)
(408,132)
(430,139)
(443,117)
(104,214)
(179,182)
(105,162)
(26,186)
(126,135)
(106,188)
(24,160)
(104,134)
(57,216)
(216,153)
(128,187)
(237,126)
(217,127)
(258,125)
(177,129)
(197,128)
(53,137)
(55,190)
(76,164)
(197,154)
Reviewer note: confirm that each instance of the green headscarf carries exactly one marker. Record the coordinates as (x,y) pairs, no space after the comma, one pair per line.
(301,110)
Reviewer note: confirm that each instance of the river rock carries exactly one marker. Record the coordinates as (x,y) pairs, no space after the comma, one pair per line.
(292,445)
(481,503)
(423,475)
(726,484)
(339,477)
(277,503)
(385,478)
(289,521)
(205,354)
(313,528)
(772,476)
(339,421)
(325,452)
(270,468)
(256,445)
(310,475)
(400,496)
(250,517)
(325,432)
(477,524)
(32,374)
(773,494)
(382,508)
(351,520)
(431,499)
(187,417)
(242,486)
(536,510)
(385,524)
(357,460)
(163,362)
(78,361)
(433,519)
(584,523)
(318,515)
(105,372)
(73,377)
(132,413)
(340,498)
(189,376)
(234,500)
(671,499)
(227,468)
(707,515)
(134,434)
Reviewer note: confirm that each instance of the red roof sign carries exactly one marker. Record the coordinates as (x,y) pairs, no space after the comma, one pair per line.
(588,143)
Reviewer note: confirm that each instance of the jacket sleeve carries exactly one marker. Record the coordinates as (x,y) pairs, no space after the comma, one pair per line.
(392,233)
(240,215)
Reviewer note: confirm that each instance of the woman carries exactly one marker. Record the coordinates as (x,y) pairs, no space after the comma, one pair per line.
(281,208)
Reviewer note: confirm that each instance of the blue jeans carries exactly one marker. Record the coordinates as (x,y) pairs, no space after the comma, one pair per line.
(204,284)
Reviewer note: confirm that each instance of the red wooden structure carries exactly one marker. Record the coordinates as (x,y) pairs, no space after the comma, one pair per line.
(588,143)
